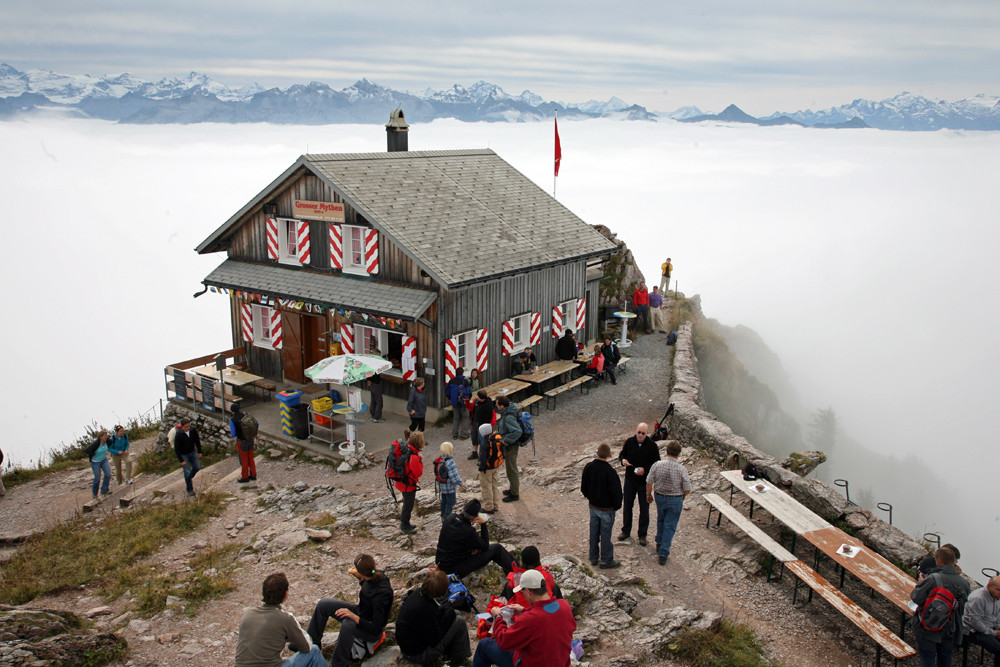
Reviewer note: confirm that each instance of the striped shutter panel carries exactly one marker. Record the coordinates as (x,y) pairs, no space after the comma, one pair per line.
(272,239)
(556,321)
(536,328)
(409,360)
(336,247)
(371,251)
(275,328)
(507,337)
(246,316)
(482,349)
(450,358)
(347,338)
(302,235)
(581,316)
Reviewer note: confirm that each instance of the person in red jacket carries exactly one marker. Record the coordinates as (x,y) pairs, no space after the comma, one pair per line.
(530,560)
(536,636)
(641,300)
(409,485)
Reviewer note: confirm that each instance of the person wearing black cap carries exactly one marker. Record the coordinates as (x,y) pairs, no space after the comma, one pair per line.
(530,560)
(460,550)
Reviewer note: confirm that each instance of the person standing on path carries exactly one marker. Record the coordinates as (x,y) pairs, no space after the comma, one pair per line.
(416,405)
(490,457)
(669,484)
(656,311)
(187,447)
(641,300)
(509,429)
(638,453)
(3,491)
(411,480)
(938,645)
(118,447)
(97,453)
(665,271)
(375,405)
(458,390)
(238,427)
(482,413)
(603,490)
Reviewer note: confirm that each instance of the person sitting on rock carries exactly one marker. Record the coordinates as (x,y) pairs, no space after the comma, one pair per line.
(530,560)
(460,550)
(365,621)
(266,629)
(428,628)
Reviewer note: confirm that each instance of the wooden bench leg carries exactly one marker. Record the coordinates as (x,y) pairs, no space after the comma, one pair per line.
(550,405)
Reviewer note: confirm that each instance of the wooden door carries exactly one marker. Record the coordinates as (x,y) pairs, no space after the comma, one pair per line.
(314,339)
(292,348)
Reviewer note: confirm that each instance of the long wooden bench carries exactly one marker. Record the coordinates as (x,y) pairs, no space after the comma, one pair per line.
(192,390)
(530,403)
(883,637)
(581,382)
(623,364)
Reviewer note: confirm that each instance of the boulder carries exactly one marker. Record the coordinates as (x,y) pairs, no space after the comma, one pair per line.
(803,463)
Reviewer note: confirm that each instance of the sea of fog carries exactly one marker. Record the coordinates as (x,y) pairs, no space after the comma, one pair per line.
(863,259)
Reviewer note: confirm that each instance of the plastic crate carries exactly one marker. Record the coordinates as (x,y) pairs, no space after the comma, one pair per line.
(322,404)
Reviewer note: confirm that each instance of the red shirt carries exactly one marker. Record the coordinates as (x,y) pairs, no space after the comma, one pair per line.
(512,580)
(640,297)
(539,637)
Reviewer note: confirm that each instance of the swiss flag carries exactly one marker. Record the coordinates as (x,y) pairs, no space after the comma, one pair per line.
(558,147)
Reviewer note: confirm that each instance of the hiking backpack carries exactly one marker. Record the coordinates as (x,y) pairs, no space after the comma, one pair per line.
(459,596)
(395,462)
(938,607)
(249,427)
(440,472)
(527,431)
(494,453)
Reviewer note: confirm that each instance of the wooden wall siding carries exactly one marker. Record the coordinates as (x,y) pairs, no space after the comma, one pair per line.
(259,361)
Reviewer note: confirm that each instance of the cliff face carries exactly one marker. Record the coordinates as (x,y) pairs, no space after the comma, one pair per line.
(621,275)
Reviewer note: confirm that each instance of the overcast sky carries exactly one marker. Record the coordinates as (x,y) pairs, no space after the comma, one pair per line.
(763,56)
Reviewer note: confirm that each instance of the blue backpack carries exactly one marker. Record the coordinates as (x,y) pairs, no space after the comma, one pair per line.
(459,596)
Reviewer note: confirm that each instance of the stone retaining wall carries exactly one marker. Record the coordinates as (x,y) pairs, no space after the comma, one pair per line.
(213,431)
(693,425)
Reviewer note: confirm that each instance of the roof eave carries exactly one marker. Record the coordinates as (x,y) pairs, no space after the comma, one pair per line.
(536,267)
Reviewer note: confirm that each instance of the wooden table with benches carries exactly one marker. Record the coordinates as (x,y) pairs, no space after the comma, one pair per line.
(230,376)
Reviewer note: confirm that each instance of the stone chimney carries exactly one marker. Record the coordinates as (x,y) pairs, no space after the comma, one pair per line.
(396,131)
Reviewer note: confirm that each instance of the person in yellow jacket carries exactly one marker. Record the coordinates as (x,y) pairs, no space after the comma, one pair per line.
(665,269)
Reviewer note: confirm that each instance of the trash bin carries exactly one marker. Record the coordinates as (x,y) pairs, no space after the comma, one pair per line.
(300,421)
(287,400)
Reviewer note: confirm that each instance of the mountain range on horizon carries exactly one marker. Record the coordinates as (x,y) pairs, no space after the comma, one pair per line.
(196,98)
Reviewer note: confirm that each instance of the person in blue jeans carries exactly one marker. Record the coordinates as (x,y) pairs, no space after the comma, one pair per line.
(449,489)
(603,490)
(187,446)
(668,483)
(97,453)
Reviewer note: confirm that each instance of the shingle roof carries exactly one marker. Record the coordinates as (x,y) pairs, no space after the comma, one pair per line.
(379,299)
(462,215)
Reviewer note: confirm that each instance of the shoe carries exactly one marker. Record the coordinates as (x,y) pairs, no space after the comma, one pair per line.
(610,566)
(253,478)
(473,456)
(663,560)
(642,541)
(95,496)
(377,421)
(510,499)
(409,530)
(243,480)
(593,562)
(506,492)
(130,481)
(623,537)
(190,493)
(488,511)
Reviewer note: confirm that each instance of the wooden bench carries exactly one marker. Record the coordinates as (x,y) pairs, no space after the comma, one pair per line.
(623,364)
(193,391)
(530,403)
(581,382)
(717,504)
(266,387)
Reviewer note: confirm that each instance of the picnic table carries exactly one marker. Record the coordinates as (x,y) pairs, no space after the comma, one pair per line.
(230,376)
(505,387)
(549,371)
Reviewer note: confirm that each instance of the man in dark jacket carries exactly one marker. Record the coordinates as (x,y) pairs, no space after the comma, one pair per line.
(566,346)
(602,488)
(461,551)
(416,405)
(428,627)
(638,455)
(482,413)
(509,429)
(187,447)
(939,644)
(457,391)
(611,358)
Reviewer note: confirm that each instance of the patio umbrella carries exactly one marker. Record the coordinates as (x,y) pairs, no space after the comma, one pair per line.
(347,368)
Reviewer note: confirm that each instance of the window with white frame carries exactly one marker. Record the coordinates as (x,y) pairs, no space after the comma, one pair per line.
(262,326)
(569,315)
(380,342)
(466,350)
(288,241)
(522,332)
(354,249)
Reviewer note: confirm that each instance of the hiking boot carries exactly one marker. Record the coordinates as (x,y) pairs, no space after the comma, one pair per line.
(190,493)
(663,560)
(243,480)
(510,498)
(623,537)
(593,562)
(409,530)
(253,478)
(488,511)
(610,565)
(506,492)
(642,541)
(473,456)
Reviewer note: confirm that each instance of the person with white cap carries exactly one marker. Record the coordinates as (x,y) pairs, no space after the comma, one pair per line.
(538,635)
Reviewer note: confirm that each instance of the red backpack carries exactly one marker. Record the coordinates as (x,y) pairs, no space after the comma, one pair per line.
(440,472)
(938,608)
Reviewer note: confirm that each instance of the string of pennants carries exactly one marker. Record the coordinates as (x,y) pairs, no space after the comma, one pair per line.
(291,304)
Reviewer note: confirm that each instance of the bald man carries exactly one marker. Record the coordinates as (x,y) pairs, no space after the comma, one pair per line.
(982,618)
(638,455)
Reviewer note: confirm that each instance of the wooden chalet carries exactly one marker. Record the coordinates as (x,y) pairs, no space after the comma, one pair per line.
(433,259)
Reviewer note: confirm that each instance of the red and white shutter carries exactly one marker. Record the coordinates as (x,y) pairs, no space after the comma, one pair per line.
(450,358)
(556,321)
(507,337)
(246,317)
(336,247)
(482,349)
(371,251)
(347,338)
(275,328)
(536,328)
(302,236)
(581,317)
(272,239)
(409,360)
